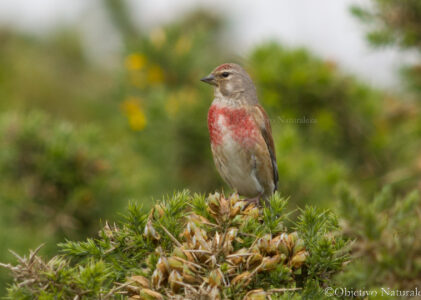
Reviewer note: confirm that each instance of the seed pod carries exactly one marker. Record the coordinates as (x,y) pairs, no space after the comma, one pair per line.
(162,264)
(214,294)
(211,261)
(158,208)
(188,275)
(174,280)
(299,245)
(254,260)
(216,242)
(175,264)
(259,294)
(150,231)
(108,231)
(179,253)
(234,211)
(283,244)
(270,263)
(234,198)
(215,278)
(141,280)
(187,253)
(274,245)
(292,238)
(197,219)
(157,278)
(213,204)
(147,294)
(263,243)
(243,278)
(232,233)
(224,209)
(239,203)
(251,211)
(238,257)
(298,259)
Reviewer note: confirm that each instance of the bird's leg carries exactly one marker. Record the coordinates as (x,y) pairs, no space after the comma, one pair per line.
(254,200)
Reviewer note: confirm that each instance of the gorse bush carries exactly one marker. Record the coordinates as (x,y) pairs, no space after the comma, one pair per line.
(353,132)
(56,182)
(191,247)
(62,172)
(395,23)
(387,241)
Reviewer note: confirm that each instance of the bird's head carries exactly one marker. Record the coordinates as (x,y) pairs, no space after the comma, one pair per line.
(231,80)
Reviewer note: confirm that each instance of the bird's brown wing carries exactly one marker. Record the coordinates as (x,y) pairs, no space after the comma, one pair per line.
(262,120)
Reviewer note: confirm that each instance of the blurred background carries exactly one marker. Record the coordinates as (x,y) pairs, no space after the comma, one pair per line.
(101,103)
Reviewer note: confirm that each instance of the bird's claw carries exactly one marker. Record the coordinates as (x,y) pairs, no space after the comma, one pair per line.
(254,200)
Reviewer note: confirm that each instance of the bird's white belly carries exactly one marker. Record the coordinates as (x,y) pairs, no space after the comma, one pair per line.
(237,166)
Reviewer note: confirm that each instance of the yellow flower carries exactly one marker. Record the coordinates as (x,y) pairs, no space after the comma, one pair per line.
(155,74)
(137,121)
(158,37)
(183,45)
(134,112)
(135,61)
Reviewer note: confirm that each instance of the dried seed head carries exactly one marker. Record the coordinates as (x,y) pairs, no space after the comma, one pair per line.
(177,251)
(157,278)
(238,257)
(256,295)
(251,211)
(241,279)
(141,280)
(270,263)
(162,265)
(148,294)
(254,260)
(263,244)
(159,209)
(175,264)
(292,238)
(150,231)
(188,275)
(298,259)
(215,278)
(174,280)
(299,246)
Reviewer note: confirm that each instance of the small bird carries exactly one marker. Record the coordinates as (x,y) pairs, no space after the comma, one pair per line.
(241,135)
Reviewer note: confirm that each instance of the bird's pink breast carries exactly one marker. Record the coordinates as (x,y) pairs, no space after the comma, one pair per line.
(235,122)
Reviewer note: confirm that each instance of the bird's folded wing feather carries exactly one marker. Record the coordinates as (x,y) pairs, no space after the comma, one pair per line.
(262,120)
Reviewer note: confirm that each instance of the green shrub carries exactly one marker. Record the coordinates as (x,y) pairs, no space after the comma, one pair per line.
(387,239)
(55,183)
(190,247)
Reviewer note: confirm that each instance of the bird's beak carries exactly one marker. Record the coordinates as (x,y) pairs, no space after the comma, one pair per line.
(210,79)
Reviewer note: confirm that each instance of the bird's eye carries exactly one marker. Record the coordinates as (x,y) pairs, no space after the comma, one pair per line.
(225,74)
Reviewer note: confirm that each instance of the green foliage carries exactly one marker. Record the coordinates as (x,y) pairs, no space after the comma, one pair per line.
(60,168)
(164,100)
(328,128)
(336,127)
(393,22)
(129,258)
(327,249)
(55,182)
(387,239)
(396,23)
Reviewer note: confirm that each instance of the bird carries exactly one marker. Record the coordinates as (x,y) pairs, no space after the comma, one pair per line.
(240,135)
